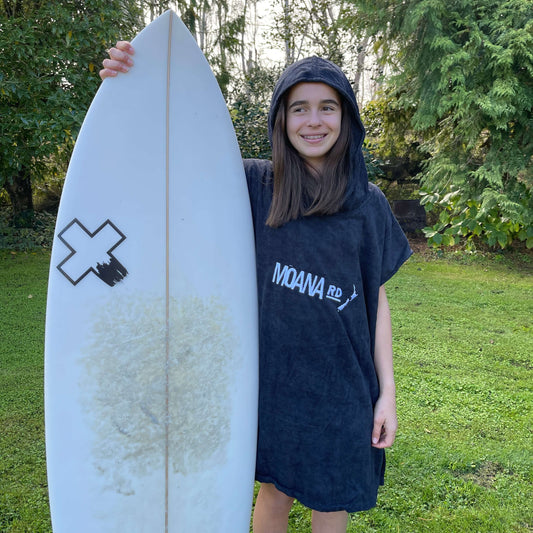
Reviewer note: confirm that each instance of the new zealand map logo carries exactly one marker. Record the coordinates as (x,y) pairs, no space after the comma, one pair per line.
(92,252)
(310,284)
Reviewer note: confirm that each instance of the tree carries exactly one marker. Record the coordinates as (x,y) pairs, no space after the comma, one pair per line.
(330,29)
(391,138)
(219,29)
(50,54)
(154,7)
(465,70)
(249,107)
(305,27)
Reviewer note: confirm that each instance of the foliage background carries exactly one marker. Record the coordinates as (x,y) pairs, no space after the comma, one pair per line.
(50,54)
(447,88)
(463,76)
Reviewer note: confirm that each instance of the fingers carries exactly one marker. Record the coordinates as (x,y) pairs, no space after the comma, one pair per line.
(384,431)
(111,69)
(122,52)
(107,73)
(125,46)
(377,432)
(119,60)
(116,65)
(381,437)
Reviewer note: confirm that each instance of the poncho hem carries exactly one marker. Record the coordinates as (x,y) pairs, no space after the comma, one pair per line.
(349,508)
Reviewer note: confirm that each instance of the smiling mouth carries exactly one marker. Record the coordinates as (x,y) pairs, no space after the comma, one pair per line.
(314,137)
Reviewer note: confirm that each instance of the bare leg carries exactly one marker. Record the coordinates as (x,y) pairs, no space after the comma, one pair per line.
(271,512)
(330,522)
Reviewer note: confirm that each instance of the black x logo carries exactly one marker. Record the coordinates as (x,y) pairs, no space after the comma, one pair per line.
(92,252)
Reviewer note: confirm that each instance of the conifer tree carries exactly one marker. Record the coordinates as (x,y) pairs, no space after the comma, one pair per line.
(464,70)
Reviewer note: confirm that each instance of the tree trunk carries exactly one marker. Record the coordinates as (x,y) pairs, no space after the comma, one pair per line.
(20,194)
(289,51)
(359,75)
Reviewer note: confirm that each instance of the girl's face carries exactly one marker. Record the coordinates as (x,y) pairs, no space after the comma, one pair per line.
(313,120)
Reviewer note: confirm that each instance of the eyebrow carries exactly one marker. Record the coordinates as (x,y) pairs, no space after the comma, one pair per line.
(303,102)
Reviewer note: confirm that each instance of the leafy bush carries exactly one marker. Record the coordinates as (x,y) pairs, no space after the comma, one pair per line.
(40,235)
(493,218)
(249,104)
(463,82)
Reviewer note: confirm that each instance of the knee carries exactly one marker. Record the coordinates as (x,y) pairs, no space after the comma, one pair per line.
(334,522)
(274,499)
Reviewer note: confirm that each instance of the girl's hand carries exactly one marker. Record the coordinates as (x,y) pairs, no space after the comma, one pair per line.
(120,60)
(385,421)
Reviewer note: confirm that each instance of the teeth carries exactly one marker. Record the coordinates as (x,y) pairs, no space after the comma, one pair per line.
(313,137)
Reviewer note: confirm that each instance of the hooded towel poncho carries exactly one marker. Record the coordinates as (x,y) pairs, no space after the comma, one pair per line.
(318,282)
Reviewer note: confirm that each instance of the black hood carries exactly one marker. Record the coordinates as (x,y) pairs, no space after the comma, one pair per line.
(316,69)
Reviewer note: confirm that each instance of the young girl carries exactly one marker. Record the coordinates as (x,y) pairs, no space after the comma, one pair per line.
(326,242)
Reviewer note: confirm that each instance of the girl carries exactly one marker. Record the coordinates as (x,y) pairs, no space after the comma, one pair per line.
(326,242)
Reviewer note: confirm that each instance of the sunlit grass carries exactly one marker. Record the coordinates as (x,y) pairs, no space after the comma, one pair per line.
(23,488)
(462,461)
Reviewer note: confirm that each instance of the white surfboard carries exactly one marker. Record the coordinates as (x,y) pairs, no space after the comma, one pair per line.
(151,334)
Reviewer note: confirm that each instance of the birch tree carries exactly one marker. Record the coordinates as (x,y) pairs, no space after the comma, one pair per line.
(325,28)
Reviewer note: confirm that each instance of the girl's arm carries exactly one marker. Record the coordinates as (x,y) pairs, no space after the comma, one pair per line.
(385,420)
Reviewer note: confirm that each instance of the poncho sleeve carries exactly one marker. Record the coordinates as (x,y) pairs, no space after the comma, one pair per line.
(396,249)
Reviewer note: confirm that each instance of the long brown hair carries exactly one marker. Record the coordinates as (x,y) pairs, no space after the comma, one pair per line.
(303,191)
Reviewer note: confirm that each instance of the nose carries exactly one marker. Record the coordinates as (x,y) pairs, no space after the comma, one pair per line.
(314,118)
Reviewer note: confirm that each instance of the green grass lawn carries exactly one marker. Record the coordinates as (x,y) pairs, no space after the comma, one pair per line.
(23,488)
(462,461)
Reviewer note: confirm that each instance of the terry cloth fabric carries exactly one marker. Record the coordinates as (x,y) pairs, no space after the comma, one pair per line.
(318,282)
